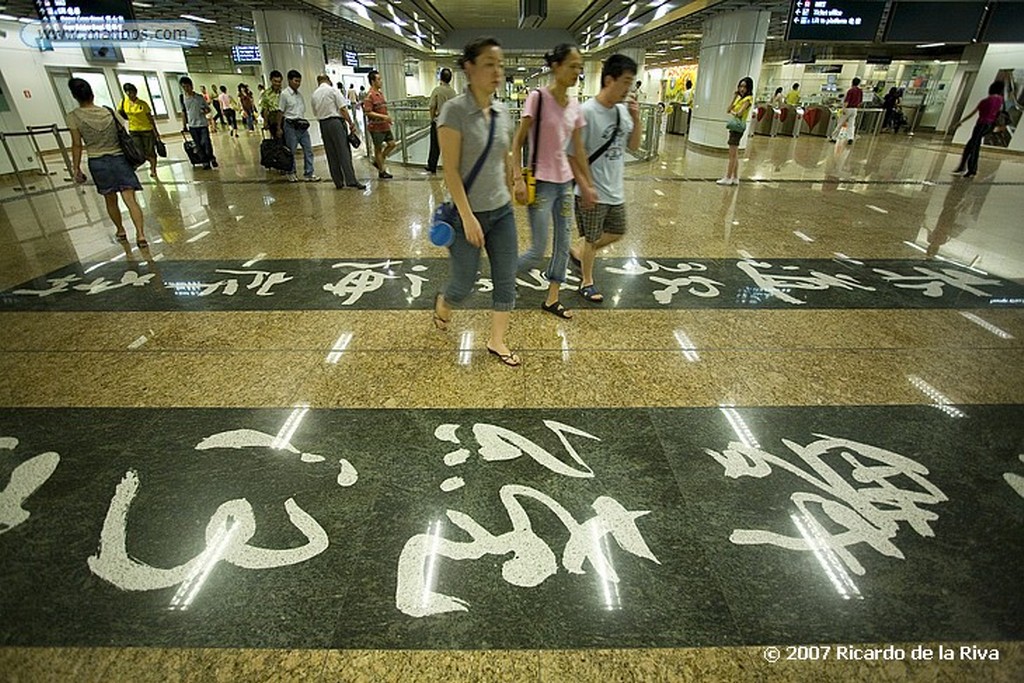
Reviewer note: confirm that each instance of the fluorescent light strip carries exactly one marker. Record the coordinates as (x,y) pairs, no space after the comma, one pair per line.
(739,426)
(876,208)
(290,426)
(198,237)
(687,346)
(189,588)
(915,246)
(984,324)
(201,20)
(929,45)
(804,237)
(254,260)
(826,557)
(339,348)
(434,531)
(941,401)
(466,348)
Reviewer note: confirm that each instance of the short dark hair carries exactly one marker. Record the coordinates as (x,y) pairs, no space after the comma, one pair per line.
(130,87)
(796,86)
(223,88)
(371,76)
(184,80)
(856,81)
(997,88)
(560,54)
(616,65)
(446,75)
(292,73)
(472,49)
(276,74)
(80,90)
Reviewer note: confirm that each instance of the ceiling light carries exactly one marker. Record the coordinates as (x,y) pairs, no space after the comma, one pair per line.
(143,5)
(199,19)
(247,29)
(930,45)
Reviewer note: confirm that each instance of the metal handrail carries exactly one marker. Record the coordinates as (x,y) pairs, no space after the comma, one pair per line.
(31,132)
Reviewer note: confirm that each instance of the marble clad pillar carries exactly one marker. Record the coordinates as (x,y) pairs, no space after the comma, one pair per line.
(391,65)
(732,47)
(291,40)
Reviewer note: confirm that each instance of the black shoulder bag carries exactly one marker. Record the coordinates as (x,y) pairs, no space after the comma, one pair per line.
(131,152)
(604,148)
(530,172)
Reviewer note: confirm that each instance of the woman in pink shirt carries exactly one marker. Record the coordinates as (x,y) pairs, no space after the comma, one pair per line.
(560,121)
(987,111)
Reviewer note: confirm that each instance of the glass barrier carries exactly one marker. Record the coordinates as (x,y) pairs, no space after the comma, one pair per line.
(411,125)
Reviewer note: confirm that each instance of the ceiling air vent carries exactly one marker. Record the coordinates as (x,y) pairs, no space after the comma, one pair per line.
(532,13)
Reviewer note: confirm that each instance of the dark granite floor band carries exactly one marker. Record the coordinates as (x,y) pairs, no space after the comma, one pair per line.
(448,529)
(404,283)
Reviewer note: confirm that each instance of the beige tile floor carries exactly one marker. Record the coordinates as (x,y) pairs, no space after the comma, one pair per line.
(609,358)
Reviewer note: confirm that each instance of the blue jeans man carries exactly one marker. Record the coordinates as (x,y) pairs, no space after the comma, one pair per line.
(293,137)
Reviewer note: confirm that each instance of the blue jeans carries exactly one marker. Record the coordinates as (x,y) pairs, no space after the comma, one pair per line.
(293,137)
(554,200)
(499,228)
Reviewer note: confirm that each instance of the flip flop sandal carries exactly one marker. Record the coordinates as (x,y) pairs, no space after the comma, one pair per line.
(557,309)
(121,237)
(142,244)
(591,294)
(509,359)
(440,323)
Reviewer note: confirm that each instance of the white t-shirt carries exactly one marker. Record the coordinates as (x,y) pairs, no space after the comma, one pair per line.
(608,169)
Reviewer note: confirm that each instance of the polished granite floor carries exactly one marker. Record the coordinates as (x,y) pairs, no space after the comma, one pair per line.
(795,424)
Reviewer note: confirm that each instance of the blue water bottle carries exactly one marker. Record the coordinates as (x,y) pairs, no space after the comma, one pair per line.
(442,233)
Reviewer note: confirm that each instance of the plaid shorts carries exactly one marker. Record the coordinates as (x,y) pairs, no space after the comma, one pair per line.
(602,218)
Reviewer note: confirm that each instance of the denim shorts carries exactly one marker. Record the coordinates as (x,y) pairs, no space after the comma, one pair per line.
(112,173)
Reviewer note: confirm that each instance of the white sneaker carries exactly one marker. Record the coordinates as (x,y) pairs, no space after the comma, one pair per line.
(723,181)
(735,181)
(312,179)
(292,178)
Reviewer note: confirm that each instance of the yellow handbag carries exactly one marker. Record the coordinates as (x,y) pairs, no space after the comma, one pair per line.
(530,172)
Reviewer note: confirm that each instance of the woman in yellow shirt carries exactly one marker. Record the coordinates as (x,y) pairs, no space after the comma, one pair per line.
(739,109)
(141,124)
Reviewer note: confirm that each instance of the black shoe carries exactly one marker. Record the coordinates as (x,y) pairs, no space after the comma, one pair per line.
(215,164)
(206,167)
(358,186)
(384,175)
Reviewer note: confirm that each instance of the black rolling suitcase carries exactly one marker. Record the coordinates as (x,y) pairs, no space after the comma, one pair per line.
(196,156)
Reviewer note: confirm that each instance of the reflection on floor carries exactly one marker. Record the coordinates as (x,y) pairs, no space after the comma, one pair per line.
(796,423)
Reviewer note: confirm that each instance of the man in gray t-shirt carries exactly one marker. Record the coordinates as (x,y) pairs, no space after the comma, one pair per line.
(193,115)
(609,124)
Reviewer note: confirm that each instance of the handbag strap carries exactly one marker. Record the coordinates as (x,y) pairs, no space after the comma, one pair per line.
(475,171)
(604,148)
(536,131)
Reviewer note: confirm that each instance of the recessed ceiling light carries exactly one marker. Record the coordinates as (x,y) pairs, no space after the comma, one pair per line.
(247,29)
(143,5)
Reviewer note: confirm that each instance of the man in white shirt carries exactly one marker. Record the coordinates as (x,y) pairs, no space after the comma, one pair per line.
(331,111)
(610,123)
(296,127)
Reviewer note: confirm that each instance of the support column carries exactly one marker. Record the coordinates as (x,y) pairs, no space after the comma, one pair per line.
(428,76)
(732,47)
(592,77)
(391,65)
(291,40)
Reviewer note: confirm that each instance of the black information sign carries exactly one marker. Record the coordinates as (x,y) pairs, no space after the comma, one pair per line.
(245,54)
(835,20)
(75,19)
(935,21)
(349,57)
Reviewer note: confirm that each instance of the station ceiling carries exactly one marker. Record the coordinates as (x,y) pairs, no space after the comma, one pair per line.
(670,30)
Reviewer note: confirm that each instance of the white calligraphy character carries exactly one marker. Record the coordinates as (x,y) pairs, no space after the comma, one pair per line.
(130,278)
(777,285)
(57,286)
(362,281)
(25,480)
(870,509)
(931,283)
(532,559)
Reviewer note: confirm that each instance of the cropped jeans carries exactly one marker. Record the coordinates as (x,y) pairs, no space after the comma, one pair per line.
(554,201)
(499,227)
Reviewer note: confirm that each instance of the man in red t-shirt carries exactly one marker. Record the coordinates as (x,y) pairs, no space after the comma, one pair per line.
(853,99)
(378,123)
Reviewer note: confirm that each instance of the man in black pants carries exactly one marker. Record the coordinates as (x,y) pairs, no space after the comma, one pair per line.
(438,97)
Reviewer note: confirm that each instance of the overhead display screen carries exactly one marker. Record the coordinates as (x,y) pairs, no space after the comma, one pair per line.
(245,54)
(934,21)
(1005,23)
(69,19)
(847,21)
